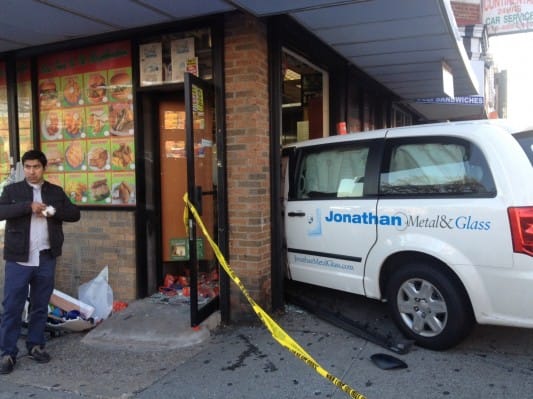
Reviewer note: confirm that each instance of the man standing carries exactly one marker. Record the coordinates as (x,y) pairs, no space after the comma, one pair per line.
(34,210)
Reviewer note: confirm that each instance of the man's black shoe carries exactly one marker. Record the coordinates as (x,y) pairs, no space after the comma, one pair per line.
(39,355)
(7,364)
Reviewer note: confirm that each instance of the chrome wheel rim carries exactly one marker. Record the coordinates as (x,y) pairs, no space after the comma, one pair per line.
(422,307)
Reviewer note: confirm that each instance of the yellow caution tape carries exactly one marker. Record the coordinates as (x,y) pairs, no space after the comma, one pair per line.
(277,332)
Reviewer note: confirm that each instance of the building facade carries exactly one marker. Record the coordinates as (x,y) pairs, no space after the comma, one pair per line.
(134,119)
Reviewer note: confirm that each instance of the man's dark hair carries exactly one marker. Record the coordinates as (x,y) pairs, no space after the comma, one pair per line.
(35,154)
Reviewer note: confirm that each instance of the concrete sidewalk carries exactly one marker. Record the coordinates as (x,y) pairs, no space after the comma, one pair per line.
(147,326)
(122,355)
(149,351)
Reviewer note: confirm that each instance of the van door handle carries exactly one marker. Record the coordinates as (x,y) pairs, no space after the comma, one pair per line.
(299,213)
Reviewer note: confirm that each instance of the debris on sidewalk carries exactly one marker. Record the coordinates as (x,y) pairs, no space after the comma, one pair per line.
(98,293)
(60,320)
(67,303)
(66,313)
(118,306)
(95,304)
(387,362)
(176,289)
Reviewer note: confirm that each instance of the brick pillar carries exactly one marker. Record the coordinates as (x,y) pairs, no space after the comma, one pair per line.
(247,122)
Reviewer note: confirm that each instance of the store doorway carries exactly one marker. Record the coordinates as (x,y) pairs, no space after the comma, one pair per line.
(187,164)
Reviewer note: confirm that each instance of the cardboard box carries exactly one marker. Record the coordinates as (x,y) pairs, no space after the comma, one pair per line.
(68,303)
(75,325)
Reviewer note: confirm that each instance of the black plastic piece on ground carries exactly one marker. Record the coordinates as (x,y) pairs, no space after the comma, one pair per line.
(349,325)
(387,362)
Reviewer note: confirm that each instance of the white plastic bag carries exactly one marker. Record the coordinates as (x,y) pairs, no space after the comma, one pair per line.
(98,293)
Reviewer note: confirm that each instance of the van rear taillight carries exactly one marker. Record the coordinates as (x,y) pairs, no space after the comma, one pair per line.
(521,219)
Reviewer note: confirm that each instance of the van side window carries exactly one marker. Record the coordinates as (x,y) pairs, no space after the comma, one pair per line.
(435,167)
(525,139)
(332,173)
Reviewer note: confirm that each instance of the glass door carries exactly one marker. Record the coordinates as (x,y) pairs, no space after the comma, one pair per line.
(200,147)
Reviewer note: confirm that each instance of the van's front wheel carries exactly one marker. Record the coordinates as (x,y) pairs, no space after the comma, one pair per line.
(429,306)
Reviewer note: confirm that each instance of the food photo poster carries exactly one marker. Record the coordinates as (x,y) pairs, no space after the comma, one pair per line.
(86,123)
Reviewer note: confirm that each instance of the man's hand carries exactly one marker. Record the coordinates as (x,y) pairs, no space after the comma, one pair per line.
(38,208)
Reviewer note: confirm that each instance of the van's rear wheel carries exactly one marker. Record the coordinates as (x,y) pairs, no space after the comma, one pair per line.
(429,306)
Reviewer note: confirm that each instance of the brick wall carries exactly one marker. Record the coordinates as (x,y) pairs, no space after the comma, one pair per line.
(247,122)
(100,238)
(466,13)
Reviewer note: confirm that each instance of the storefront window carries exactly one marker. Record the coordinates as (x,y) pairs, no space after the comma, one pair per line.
(86,123)
(24,99)
(4,126)
(305,111)
(354,109)
(368,112)
(165,58)
(400,117)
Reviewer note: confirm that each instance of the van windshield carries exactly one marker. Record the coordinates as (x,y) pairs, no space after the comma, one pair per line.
(525,139)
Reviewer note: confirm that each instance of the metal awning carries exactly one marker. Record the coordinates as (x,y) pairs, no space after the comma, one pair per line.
(402,45)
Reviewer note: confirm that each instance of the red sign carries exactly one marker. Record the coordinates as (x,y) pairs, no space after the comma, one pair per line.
(88,59)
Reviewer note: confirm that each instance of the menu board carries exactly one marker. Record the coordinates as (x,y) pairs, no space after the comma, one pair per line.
(86,123)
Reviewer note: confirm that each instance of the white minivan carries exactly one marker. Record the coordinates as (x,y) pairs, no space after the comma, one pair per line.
(435,219)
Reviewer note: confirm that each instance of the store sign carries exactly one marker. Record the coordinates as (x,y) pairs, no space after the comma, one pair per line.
(86,123)
(507,16)
(469,100)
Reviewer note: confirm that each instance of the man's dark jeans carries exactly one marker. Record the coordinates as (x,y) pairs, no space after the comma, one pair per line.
(41,282)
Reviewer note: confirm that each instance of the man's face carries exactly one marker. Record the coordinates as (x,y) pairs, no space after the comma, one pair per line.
(33,171)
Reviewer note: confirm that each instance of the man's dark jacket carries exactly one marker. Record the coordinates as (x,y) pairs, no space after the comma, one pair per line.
(15,208)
